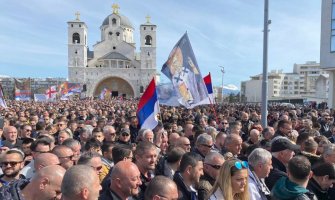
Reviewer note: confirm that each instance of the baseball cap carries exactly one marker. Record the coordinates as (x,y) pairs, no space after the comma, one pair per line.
(324,169)
(125,130)
(282,144)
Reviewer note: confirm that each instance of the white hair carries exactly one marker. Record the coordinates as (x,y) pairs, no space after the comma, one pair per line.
(259,155)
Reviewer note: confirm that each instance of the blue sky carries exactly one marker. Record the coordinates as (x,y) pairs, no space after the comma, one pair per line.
(222,33)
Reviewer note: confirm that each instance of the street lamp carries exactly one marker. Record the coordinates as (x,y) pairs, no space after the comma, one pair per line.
(222,71)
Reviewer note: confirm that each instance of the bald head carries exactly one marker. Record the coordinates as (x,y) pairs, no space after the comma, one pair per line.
(173,137)
(163,187)
(184,143)
(122,168)
(45,159)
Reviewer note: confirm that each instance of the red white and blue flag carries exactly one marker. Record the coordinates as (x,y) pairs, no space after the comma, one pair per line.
(148,107)
(208,83)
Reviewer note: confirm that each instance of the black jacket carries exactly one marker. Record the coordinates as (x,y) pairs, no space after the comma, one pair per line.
(314,187)
(109,195)
(183,192)
(278,171)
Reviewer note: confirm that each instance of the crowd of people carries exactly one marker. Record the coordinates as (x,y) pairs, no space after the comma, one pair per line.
(96,149)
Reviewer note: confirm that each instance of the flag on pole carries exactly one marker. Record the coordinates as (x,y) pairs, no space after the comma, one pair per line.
(51,93)
(2,99)
(22,90)
(183,71)
(148,107)
(209,86)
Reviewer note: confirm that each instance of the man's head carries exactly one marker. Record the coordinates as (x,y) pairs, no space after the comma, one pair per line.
(80,182)
(124,135)
(212,164)
(106,149)
(220,139)
(10,133)
(146,156)
(324,174)
(184,143)
(26,144)
(233,144)
(12,163)
(329,153)
(204,143)
(65,156)
(299,169)
(283,149)
(191,168)
(260,161)
(26,131)
(91,159)
(122,152)
(285,127)
(62,125)
(109,133)
(75,147)
(45,159)
(148,135)
(47,183)
(161,187)
(254,136)
(98,134)
(125,179)
(40,146)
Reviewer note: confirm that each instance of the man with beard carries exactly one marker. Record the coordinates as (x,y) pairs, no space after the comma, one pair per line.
(146,159)
(11,165)
(191,169)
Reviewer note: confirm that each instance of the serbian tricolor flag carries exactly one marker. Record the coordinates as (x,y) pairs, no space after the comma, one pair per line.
(208,83)
(148,107)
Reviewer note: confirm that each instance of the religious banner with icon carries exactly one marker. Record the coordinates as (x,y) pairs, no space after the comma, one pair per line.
(183,71)
(22,89)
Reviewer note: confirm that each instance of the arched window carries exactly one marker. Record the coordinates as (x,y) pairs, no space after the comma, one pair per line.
(148,40)
(75,38)
(113,21)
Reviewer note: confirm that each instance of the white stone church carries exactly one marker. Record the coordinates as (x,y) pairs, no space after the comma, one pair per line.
(113,64)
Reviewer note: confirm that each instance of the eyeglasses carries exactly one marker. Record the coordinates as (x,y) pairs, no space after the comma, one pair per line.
(70,157)
(164,197)
(214,166)
(206,145)
(241,164)
(97,168)
(125,134)
(11,163)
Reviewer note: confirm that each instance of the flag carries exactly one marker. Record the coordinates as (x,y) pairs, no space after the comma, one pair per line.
(67,89)
(148,107)
(22,90)
(40,97)
(105,94)
(209,86)
(183,71)
(51,93)
(167,95)
(2,98)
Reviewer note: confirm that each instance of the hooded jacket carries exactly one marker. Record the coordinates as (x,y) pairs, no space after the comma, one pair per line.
(285,189)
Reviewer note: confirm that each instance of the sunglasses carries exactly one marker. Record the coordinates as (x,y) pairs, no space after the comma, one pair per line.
(70,157)
(241,164)
(125,134)
(12,163)
(214,166)
(206,145)
(97,168)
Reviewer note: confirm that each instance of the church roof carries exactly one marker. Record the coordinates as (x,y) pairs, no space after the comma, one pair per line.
(124,21)
(114,56)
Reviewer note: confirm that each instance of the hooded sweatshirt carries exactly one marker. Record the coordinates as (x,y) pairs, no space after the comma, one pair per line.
(285,189)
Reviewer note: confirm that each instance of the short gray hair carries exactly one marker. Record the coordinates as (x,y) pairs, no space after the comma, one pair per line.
(328,149)
(77,178)
(204,139)
(211,155)
(106,128)
(259,155)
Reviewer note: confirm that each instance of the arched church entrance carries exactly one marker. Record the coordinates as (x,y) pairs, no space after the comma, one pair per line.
(116,86)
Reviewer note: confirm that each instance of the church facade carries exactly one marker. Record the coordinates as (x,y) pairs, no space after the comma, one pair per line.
(113,64)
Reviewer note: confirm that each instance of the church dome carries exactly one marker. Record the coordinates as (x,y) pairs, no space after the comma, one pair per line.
(124,21)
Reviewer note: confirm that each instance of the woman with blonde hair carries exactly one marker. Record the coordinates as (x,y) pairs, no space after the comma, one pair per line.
(232,183)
